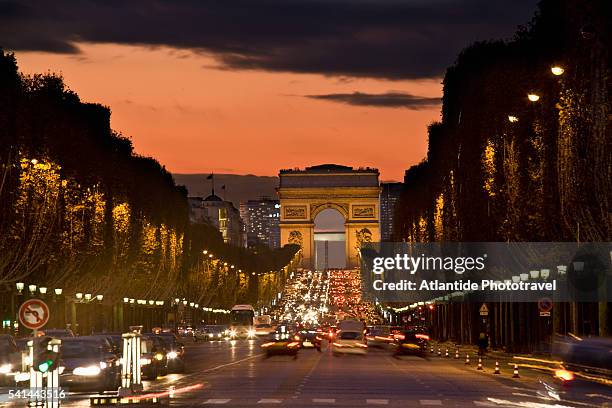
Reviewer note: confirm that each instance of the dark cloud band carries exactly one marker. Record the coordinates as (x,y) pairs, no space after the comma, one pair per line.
(385,100)
(392,39)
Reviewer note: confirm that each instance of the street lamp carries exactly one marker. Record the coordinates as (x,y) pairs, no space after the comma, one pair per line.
(43,290)
(562,269)
(524,276)
(100,297)
(535,274)
(58,291)
(512,119)
(32,288)
(79,295)
(516,278)
(88,296)
(151,302)
(126,300)
(205,251)
(533,97)
(545,273)
(185,303)
(557,70)
(20,286)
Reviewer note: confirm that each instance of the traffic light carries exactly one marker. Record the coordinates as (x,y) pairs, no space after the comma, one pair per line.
(45,360)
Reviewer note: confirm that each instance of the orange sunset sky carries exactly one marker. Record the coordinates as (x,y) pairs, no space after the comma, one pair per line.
(185,110)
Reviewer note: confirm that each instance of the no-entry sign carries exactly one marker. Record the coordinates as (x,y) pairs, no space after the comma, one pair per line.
(34,314)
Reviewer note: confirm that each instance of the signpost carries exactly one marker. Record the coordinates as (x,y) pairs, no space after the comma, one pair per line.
(34,314)
(484,310)
(545,305)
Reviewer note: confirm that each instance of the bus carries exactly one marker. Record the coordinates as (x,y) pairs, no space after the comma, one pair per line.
(241,322)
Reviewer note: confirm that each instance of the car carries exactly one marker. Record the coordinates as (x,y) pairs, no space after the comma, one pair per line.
(10,359)
(310,339)
(57,333)
(175,352)
(411,342)
(263,329)
(86,364)
(210,332)
(282,341)
(349,342)
(379,336)
(153,357)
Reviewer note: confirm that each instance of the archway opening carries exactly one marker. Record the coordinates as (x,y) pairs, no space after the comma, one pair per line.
(329,240)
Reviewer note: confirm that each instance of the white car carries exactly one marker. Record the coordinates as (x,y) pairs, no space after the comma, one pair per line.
(349,342)
(263,329)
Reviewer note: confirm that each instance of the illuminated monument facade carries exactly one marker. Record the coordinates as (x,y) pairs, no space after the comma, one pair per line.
(354,193)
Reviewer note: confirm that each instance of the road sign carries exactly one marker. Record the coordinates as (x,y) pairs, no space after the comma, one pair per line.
(484,310)
(545,304)
(34,314)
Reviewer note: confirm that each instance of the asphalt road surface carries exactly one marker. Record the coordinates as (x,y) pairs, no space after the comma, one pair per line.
(236,374)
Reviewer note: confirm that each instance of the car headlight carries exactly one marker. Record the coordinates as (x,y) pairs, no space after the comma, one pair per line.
(103,365)
(6,368)
(232,333)
(218,334)
(172,354)
(145,361)
(159,356)
(87,371)
(251,333)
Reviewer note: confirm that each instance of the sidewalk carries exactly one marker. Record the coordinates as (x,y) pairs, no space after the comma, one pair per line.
(529,365)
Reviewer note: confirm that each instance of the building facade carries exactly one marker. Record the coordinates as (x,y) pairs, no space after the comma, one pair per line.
(354,193)
(389,197)
(261,222)
(220,214)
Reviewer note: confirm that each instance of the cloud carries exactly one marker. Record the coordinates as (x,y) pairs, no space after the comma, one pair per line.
(391,99)
(393,39)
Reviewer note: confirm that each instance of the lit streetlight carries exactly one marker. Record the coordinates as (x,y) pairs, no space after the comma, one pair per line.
(42,290)
(557,70)
(512,119)
(32,288)
(533,97)
(20,286)
(58,291)
(100,297)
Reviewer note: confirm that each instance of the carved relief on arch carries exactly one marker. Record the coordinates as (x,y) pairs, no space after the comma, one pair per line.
(295,237)
(316,208)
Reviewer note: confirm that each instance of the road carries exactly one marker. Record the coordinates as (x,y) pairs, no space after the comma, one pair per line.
(235,374)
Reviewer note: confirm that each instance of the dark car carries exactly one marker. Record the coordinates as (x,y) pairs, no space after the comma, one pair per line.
(10,359)
(310,339)
(153,357)
(87,364)
(175,351)
(282,341)
(210,332)
(410,342)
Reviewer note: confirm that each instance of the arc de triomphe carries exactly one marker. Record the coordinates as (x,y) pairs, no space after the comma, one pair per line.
(354,193)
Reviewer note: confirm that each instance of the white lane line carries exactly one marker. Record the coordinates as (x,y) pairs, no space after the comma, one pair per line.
(377,401)
(430,402)
(324,400)
(216,401)
(484,404)
(269,401)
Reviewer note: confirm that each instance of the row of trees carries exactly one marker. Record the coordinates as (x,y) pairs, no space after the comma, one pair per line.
(504,167)
(83,212)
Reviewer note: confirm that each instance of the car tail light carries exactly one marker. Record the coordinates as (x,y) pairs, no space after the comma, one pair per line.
(267,344)
(422,336)
(564,375)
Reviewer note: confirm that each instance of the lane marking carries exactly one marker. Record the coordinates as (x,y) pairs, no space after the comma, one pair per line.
(431,402)
(377,401)
(216,401)
(484,404)
(270,401)
(324,400)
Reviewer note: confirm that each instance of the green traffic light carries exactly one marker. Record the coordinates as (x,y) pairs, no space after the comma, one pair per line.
(44,366)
